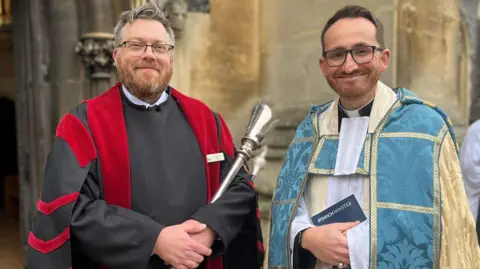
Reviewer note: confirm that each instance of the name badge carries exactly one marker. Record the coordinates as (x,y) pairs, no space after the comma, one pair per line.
(215,157)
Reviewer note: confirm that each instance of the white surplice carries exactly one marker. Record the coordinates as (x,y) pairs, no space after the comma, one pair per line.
(322,192)
(343,184)
(470,164)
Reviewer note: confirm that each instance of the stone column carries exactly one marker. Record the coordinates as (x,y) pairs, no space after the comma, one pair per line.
(32,101)
(475,102)
(433,56)
(96,45)
(65,72)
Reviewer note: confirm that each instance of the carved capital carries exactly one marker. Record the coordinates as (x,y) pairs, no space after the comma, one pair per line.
(96,50)
(176,12)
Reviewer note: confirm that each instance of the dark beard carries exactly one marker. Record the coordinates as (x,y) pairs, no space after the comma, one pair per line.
(148,91)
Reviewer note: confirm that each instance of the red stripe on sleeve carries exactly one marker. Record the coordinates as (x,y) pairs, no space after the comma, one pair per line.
(260,246)
(250,184)
(49,245)
(49,208)
(258,213)
(72,130)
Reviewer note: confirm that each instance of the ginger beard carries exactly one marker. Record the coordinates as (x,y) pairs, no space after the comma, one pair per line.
(144,79)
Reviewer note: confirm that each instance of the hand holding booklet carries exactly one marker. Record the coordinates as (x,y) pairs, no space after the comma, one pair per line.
(346,210)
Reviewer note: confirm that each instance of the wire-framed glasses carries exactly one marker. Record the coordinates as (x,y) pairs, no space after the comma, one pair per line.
(137,48)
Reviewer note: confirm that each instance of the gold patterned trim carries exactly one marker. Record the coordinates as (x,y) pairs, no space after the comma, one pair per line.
(373,187)
(303,139)
(283,202)
(411,97)
(409,135)
(311,165)
(413,208)
(314,119)
(361,171)
(366,155)
(320,171)
(332,137)
(436,199)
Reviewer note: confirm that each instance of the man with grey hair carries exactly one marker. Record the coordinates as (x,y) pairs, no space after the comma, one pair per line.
(131,173)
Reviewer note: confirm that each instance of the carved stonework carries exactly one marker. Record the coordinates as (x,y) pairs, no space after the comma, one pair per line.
(96,50)
(199,6)
(177,13)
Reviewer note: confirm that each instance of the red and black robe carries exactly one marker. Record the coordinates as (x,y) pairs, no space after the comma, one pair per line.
(91,158)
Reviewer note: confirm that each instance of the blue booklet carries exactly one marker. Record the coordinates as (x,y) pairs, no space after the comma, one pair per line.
(347,210)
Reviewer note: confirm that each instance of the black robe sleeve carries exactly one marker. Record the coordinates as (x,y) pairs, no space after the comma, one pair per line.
(234,208)
(228,214)
(302,258)
(111,235)
(72,220)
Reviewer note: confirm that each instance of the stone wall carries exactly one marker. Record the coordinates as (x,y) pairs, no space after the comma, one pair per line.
(434,56)
(218,61)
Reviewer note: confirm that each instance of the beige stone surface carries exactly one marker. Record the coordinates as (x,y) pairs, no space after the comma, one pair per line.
(433,56)
(218,59)
(291,47)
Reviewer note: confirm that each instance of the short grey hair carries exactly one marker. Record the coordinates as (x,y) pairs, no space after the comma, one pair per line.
(147,11)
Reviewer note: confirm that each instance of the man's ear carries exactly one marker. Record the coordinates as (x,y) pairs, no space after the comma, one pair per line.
(384,60)
(323,65)
(115,55)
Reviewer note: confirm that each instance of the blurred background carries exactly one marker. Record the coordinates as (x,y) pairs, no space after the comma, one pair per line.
(230,54)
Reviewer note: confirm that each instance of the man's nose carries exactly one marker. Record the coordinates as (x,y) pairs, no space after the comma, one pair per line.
(350,65)
(148,53)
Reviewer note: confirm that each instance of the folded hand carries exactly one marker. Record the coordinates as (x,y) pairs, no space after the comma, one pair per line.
(175,246)
(205,237)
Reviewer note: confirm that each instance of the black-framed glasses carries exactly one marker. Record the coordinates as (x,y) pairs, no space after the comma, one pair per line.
(137,48)
(361,55)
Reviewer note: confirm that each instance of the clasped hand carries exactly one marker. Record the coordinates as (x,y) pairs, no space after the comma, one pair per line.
(184,246)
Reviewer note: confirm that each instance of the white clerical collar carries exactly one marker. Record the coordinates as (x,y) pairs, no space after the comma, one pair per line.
(355,112)
(140,102)
(352,113)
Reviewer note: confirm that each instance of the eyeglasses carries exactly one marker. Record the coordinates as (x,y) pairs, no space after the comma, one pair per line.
(361,55)
(137,48)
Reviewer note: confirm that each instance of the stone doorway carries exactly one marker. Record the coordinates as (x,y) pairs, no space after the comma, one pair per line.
(10,250)
(8,160)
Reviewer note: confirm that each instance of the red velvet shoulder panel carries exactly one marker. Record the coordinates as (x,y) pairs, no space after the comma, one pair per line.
(107,124)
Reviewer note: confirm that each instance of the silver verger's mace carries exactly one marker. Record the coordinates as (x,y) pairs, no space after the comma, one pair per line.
(260,123)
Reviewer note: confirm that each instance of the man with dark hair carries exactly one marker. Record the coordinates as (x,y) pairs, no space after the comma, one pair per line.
(131,173)
(371,179)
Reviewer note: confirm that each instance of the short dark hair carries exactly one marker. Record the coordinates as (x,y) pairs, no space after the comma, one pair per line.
(354,11)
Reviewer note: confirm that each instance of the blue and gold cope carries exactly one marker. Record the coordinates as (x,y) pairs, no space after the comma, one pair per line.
(400,157)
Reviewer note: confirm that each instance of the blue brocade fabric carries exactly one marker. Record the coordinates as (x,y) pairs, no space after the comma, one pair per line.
(401,159)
